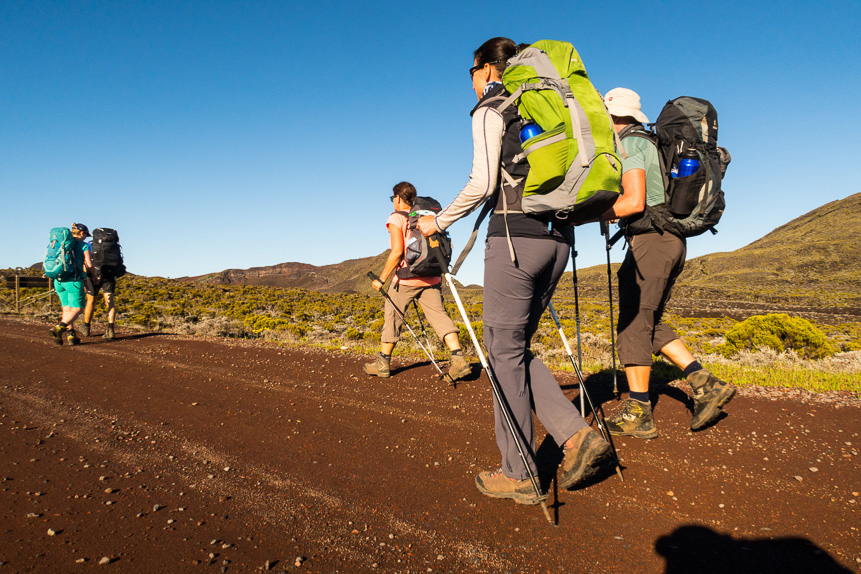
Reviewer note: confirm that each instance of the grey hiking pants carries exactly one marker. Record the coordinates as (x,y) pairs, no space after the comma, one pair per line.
(515,297)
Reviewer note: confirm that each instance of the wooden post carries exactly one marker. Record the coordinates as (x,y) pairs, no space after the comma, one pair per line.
(17,294)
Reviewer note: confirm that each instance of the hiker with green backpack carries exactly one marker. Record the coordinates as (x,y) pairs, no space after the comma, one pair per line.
(67,261)
(535,192)
(656,224)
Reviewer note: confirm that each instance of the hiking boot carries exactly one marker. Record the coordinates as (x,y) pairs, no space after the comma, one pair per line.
(459,367)
(57,332)
(380,367)
(72,338)
(635,419)
(710,395)
(584,458)
(85,329)
(109,332)
(497,485)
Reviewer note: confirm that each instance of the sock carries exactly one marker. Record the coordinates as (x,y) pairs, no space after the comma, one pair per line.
(692,368)
(457,352)
(642,397)
(383,355)
(63,325)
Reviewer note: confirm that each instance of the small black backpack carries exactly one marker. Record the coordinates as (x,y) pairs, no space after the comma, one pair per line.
(107,253)
(693,204)
(421,260)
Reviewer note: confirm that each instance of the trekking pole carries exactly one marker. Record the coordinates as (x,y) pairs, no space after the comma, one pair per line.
(605,231)
(422,325)
(497,392)
(585,393)
(404,320)
(577,308)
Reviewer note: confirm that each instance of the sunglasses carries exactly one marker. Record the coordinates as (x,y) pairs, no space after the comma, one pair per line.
(392,198)
(474,69)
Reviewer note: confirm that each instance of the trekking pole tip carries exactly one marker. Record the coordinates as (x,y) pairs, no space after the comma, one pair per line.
(547,513)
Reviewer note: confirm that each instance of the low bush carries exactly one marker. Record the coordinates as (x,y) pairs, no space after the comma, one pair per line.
(777,331)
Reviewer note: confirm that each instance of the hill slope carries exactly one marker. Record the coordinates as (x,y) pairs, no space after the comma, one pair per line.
(810,266)
(812,260)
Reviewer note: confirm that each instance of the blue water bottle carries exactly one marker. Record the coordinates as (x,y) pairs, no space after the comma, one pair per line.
(530,130)
(689,163)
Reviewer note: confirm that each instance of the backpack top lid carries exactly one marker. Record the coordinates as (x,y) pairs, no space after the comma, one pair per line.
(689,119)
(101,234)
(425,204)
(528,67)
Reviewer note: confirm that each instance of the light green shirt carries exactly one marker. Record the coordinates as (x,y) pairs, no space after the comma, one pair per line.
(642,154)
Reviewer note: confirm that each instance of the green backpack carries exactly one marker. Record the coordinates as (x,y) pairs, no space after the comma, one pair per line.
(574,172)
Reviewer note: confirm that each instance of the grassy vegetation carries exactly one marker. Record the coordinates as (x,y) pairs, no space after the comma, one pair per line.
(352,322)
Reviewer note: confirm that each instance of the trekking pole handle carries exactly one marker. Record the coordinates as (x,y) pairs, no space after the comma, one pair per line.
(374,276)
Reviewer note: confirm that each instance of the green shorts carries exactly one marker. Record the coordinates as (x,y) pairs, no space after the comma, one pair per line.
(71,293)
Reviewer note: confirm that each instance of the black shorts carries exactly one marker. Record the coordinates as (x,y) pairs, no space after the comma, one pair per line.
(105,284)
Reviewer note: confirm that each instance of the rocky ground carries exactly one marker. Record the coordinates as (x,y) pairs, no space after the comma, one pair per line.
(156,453)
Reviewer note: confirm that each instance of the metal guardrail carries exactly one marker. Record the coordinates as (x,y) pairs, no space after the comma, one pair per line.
(29,282)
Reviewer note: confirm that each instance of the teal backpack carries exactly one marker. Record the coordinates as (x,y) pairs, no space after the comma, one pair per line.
(60,261)
(575,174)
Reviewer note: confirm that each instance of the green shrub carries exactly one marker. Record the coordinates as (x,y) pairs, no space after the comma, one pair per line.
(780,332)
(353,334)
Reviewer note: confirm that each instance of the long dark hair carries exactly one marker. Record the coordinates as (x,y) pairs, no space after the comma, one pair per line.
(496,52)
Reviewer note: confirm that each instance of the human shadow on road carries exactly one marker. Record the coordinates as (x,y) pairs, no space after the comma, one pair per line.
(473,376)
(599,386)
(98,340)
(695,548)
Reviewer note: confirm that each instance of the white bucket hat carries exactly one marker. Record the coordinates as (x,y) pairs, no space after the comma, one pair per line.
(622,102)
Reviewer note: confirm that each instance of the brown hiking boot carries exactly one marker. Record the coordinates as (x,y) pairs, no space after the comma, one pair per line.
(584,458)
(109,332)
(380,367)
(459,367)
(85,329)
(497,485)
(710,396)
(634,419)
(57,332)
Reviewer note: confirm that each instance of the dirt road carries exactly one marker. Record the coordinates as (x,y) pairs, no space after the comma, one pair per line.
(156,453)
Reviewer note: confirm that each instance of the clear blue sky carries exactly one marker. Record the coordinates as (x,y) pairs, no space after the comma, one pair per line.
(217,134)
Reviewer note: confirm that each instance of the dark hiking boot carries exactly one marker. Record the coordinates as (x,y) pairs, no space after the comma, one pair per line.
(72,338)
(459,367)
(710,396)
(57,332)
(85,329)
(497,485)
(380,367)
(109,332)
(588,451)
(635,419)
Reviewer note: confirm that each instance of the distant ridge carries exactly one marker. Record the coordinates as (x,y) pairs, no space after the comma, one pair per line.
(345,277)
